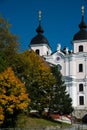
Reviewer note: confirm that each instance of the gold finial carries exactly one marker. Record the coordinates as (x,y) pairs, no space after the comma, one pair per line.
(82,9)
(40,16)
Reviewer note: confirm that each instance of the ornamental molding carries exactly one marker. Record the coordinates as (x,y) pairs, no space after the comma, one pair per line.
(71,79)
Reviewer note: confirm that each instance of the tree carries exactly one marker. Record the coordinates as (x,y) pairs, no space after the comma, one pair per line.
(38,79)
(13,97)
(3,62)
(61,101)
(1,115)
(9,44)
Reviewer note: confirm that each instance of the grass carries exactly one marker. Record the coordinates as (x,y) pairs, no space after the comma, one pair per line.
(24,121)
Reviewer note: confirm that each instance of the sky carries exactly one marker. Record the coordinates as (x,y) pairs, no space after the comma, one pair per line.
(60,20)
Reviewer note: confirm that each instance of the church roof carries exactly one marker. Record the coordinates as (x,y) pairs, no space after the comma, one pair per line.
(82,34)
(39,38)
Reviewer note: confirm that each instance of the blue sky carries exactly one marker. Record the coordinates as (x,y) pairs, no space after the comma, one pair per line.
(60,19)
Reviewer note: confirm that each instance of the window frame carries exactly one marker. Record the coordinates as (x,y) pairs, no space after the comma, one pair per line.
(81,67)
(81,48)
(81,100)
(81,89)
(37,51)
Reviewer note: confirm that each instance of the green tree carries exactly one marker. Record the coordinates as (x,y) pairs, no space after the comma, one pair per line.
(9,44)
(38,79)
(3,62)
(61,101)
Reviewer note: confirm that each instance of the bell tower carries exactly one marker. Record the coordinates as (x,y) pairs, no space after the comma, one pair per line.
(40,43)
(80,38)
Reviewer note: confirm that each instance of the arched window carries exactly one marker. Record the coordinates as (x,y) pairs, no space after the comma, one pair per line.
(80,48)
(37,51)
(80,87)
(80,67)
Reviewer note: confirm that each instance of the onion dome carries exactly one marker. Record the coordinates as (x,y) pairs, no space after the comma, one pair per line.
(39,38)
(82,34)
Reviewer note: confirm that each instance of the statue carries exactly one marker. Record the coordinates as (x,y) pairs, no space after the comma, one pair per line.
(58,47)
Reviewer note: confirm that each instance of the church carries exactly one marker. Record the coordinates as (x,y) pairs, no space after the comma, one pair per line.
(71,63)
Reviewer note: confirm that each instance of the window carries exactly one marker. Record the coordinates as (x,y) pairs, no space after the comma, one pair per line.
(80,48)
(81,100)
(37,51)
(80,87)
(80,67)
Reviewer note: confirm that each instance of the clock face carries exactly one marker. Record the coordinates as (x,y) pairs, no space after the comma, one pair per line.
(58,58)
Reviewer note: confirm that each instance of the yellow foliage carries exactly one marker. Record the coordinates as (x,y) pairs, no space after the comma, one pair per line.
(12,93)
(37,69)
(40,78)
(1,115)
(10,110)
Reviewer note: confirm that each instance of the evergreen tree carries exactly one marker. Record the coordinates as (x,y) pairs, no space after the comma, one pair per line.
(61,102)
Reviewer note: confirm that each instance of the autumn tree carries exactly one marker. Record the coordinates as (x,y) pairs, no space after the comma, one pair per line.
(39,81)
(13,97)
(61,102)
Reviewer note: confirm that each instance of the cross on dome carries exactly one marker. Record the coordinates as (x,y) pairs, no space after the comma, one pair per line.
(82,9)
(40,15)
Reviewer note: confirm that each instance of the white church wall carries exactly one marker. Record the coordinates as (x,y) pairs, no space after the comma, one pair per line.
(80,75)
(43,49)
(73,93)
(78,43)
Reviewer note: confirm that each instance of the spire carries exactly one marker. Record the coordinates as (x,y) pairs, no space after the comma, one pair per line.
(39,38)
(39,30)
(82,25)
(82,34)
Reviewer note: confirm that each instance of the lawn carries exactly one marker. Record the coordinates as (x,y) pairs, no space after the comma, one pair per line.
(24,121)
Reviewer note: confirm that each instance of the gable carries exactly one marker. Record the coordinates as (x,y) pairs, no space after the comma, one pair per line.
(58,56)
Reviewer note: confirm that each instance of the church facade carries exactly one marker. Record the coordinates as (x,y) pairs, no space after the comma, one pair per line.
(72,64)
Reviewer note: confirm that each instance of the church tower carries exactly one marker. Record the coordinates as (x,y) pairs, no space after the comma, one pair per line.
(72,64)
(39,43)
(80,38)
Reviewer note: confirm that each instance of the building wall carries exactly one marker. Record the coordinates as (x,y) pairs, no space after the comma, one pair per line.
(44,49)
(76,45)
(73,78)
